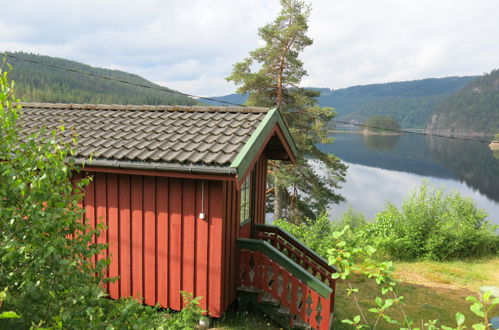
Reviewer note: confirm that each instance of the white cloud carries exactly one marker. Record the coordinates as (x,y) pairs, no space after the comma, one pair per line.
(192,45)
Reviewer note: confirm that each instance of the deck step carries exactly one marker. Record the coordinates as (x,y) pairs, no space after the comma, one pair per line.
(284,311)
(301,325)
(270,301)
(250,289)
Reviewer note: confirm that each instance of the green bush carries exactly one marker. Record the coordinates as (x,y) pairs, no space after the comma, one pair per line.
(317,234)
(313,234)
(433,225)
(378,123)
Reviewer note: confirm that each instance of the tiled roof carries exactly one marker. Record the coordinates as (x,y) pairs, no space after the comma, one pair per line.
(177,135)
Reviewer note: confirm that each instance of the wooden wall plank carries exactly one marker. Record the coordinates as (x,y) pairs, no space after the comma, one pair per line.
(162,231)
(149,240)
(202,243)
(215,256)
(175,204)
(188,234)
(227,227)
(113,232)
(233,248)
(125,236)
(101,215)
(228,255)
(136,229)
(89,205)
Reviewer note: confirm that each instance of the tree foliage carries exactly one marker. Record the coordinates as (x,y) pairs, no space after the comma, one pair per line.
(472,109)
(275,83)
(37,83)
(382,124)
(411,103)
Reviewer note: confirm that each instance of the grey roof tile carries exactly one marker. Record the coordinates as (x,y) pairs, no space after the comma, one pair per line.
(168,134)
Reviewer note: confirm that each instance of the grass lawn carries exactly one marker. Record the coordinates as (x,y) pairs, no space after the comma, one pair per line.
(234,319)
(432,290)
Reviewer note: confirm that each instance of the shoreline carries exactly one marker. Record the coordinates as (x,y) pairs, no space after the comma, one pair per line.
(365,132)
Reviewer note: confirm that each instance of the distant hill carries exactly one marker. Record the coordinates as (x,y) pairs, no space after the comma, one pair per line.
(232,98)
(411,103)
(475,108)
(37,83)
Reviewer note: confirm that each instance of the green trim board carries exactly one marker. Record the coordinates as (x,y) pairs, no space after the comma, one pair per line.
(287,133)
(256,140)
(299,243)
(287,263)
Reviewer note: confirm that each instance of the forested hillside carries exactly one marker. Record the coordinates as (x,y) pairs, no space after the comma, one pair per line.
(411,103)
(475,108)
(37,83)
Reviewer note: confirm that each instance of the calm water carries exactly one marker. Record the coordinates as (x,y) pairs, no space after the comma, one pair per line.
(387,168)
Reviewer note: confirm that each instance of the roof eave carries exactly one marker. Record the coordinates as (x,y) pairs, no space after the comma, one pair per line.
(154,166)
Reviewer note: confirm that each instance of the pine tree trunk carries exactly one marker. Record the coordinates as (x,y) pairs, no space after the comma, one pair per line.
(277,201)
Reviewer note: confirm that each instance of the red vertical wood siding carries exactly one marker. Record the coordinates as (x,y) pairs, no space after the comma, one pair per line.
(159,246)
(101,213)
(188,235)
(137,203)
(89,206)
(113,233)
(162,239)
(125,236)
(157,243)
(175,242)
(202,243)
(215,254)
(149,238)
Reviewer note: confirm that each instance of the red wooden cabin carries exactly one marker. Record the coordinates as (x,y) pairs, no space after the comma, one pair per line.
(181,191)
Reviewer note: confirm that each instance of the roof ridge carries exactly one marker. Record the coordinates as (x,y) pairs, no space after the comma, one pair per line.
(194,108)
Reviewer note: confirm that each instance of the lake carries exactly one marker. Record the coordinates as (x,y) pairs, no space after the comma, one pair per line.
(388,167)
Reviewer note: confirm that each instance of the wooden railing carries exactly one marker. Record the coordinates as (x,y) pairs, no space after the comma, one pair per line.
(299,253)
(307,299)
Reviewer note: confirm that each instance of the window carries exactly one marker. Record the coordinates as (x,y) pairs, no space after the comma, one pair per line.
(245,199)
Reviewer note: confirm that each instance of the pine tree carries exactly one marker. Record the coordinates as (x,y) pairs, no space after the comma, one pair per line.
(308,187)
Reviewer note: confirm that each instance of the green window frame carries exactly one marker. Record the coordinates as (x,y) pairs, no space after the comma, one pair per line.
(246,200)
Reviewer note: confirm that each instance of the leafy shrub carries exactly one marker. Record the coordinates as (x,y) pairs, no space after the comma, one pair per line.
(379,122)
(433,225)
(188,317)
(351,218)
(317,234)
(313,234)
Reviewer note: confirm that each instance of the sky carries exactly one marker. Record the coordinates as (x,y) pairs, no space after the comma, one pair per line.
(191,45)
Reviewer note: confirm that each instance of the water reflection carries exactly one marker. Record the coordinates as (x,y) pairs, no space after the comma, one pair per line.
(367,189)
(467,166)
(381,142)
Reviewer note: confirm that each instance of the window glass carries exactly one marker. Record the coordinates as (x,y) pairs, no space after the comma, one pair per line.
(245,199)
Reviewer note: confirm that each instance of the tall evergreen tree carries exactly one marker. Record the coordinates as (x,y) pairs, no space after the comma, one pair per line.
(308,187)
